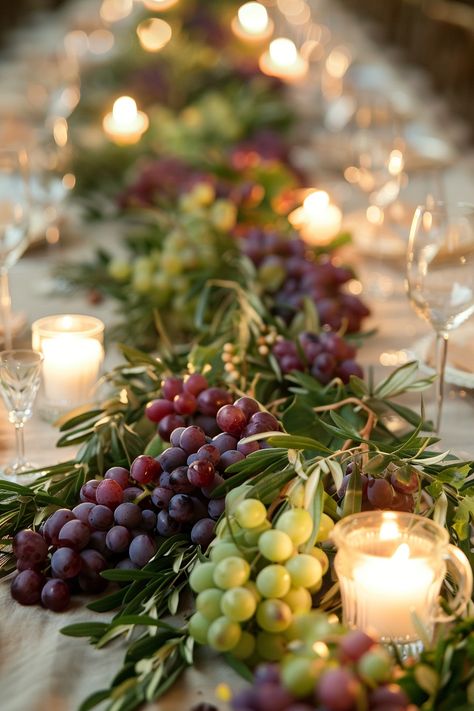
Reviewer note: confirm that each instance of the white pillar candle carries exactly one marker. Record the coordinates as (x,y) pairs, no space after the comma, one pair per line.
(318,220)
(283,60)
(125,125)
(252,23)
(71,368)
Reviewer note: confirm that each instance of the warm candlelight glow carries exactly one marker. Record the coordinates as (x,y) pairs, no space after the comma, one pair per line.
(154,34)
(253,17)
(159,5)
(125,124)
(317,220)
(115,10)
(283,60)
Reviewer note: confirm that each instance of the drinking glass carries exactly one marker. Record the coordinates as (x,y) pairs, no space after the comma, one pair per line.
(20,375)
(440,274)
(14,225)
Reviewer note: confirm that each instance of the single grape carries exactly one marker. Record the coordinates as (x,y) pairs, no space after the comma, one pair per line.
(223,634)
(347,368)
(354,644)
(210,453)
(65,563)
(305,571)
(26,587)
(118,539)
(82,511)
(157,409)
(270,646)
(245,647)
(118,474)
(198,627)
(74,534)
(181,508)
(92,561)
(297,524)
(176,435)
(323,368)
(109,493)
(101,518)
(261,422)
(248,405)
(250,513)
(338,689)
(179,481)
(322,557)
(275,545)
(131,493)
(171,386)
(216,508)
(208,424)
(326,525)
(380,493)
(166,526)
(148,520)
(231,419)
(232,456)
(298,675)
(273,581)
(128,515)
(211,400)
(185,403)
(126,564)
(202,533)
(168,424)
(144,469)
(208,603)
(231,572)
(223,442)
(238,604)
(374,667)
(30,547)
(267,673)
(192,438)
(201,473)
(55,595)
(161,497)
(141,550)
(404,482)
(97,542)
(402,502)
(202,577)
(224,549)
(247,448)
(171,458)
(298,600)
(195,383)
(391,695)
(273,615)
(88,490)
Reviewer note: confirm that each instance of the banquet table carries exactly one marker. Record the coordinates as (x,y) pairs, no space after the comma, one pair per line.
(41,670)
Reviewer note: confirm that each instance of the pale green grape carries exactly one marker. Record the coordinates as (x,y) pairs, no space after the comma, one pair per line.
(298,600)
(222,550)
(270,646)
(304,570)
(238,604)
(250,585)
(325,527)
(245,647)
(208,603)
(273,581)
(250,513)
(320,555)
(231,572)
(275,545)
(375,666)
(274,616)
(297,523)
(299,674)
(201,577)
(252,537)
(223,634)
(198,628)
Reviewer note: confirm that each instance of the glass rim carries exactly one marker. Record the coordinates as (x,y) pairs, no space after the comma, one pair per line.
(24,351)
(93,326)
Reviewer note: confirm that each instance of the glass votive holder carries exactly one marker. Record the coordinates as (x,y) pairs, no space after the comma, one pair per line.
(73,353)
(391,567)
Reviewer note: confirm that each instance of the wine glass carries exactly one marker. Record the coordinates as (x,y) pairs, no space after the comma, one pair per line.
(14,225)
(440,274)
(20,375)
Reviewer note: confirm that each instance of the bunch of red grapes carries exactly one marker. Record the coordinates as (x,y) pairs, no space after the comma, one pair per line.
(395,491)
(294,275)
(195,464)
(358,675)
(326,355)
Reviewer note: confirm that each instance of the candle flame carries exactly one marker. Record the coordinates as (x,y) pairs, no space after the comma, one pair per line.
(389,530)
(402,553)
(125,111)
(316,201)
(154,34)
(253,17)
(283,52)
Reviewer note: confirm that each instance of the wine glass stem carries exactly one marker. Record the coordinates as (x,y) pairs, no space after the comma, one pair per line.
(20,443)
(441,353)
(5,305)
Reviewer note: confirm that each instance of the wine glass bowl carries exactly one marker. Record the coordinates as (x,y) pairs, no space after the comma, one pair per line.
(20,377)
(440,272)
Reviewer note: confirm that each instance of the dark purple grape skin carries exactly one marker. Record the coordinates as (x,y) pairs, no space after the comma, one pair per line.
(354,644)
(171,386)
(202,533)
(164,480)
(175,436)
(101,518)
(179,481)
(217,481)
(97,542)
(211,400)
(193,458)
(247,448)
(144,469)
(348,368)
(74,534)
(185,403)
(30,547)
(118,474)
(168,424)
(200,509)
(248,405)
(91,583)
(141,550)
(109,493)
(148,520)
(245,700)
(272,697)
(92,561)
(118,539)
(181,508)
(216,508)
(65,563)
(165,525)
(157,409)
(201,473)
(231,419)
(128,515)
(55,595)
(161,497)
(131,493)
(171,458)
(54,524)
(126,564)
(380,493)
(195,383)
(230,457)
(208,424)
(224,442)
(402,486)
(337,689)
(390,695)
(261,422)
(208,452)
(192,438)
(267,673)
(82,511)
(88,491)
(26,587)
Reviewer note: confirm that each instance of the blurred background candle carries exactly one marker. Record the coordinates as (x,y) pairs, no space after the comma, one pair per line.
(283,60)
(72,348)
(125,124)
(154,34)
(317,220)
(252,23)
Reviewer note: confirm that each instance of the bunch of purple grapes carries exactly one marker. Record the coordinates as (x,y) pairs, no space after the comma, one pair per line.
(292,274)
(394,491)
(326,355)
(106,529)
(357,675)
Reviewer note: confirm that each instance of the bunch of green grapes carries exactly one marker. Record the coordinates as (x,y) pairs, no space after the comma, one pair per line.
(256,581)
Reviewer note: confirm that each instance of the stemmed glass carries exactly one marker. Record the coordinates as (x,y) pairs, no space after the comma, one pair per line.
(440,274)
(14,225)
(20,377)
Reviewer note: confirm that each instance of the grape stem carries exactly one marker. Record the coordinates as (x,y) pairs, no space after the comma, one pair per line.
(369,425)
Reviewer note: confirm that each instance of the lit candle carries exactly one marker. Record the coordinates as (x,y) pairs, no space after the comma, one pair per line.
(159,5)
(125,124)
(154,34)
(283,60)
(317,220)
(73,354)
(252,23)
